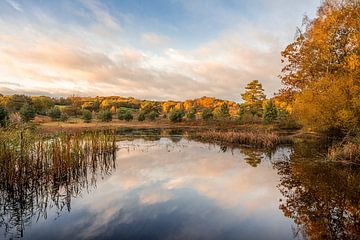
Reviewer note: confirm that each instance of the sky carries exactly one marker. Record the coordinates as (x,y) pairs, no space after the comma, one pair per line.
(148,49)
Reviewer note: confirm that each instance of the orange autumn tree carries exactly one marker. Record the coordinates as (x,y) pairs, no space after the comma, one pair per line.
(322,68)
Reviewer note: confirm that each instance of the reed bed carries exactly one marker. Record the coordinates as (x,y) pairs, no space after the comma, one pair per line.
(42,171)
(251,138)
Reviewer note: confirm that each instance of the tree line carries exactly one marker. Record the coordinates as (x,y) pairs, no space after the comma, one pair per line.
(254,109)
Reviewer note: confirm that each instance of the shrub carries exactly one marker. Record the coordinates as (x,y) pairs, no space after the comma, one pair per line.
(176,115)
(141,116)
(207,114)
(27,113)
(191,114)
(64,117)
(123,114)
(87,116)
(105,116)
(55,113)
(153,115)
(126,116)
(3,116)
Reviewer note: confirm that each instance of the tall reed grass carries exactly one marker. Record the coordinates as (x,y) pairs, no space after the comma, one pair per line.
(42,171)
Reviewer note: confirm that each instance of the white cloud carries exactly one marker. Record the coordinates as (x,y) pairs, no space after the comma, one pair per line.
(15,5)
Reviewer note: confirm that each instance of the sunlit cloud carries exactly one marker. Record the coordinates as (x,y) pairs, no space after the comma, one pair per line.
(40,53)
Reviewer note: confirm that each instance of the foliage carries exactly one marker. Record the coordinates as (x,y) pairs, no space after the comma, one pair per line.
(153,115)
(105,116)
(123,114)
(55,113)
(270,112)
(222,113)
(191,114)
(42,104)
(323,68)
(87,116)
(27,112)
(176,115)
(72,110)
(207,114)
(16,102)
(253,97)
(149,107)
(141,117)
(4,115)
(64,117)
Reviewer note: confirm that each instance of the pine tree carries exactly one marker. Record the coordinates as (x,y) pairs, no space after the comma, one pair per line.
(253,97)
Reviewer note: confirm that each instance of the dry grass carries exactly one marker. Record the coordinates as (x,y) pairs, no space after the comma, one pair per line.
(346,152)
(27,153)
(263,139)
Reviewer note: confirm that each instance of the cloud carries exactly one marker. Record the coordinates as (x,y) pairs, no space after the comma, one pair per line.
(154,39)
(15,5)
(100,60)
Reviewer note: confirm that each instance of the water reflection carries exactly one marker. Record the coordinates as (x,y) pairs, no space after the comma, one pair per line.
(323,198)
(174,188)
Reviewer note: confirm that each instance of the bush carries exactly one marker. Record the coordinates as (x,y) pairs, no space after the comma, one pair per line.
(141,116)
(64,117)
(207,114)
(87,116)
(153,115)
(191,114)
(27,113)
(3,116)
(124,115)
(105,116)
(286,120)
(55,113)
(176,115)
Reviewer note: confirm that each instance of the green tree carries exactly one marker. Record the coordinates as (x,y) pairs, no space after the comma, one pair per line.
(55,113)
(222,112)
(176,115)
(27,112)
(141,116)
(3,116)
(191,114)
(207,114)
(86,116)
(270,112)
(253,97)
(124,115)
(42,104)
(105,116)
(16,102)
(153,115)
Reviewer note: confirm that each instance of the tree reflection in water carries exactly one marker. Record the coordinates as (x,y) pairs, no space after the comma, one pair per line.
(34,185)
(323,198)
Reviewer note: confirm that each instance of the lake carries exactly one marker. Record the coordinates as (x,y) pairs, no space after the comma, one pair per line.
(171,187)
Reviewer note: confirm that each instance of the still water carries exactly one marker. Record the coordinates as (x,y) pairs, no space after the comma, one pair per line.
(175,188)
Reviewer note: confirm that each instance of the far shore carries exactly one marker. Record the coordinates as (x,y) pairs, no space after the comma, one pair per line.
(78,125)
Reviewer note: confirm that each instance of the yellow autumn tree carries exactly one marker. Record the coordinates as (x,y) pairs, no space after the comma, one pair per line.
(322,68)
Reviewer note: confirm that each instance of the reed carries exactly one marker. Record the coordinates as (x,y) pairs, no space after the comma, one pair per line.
(40,171)
(262,139)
